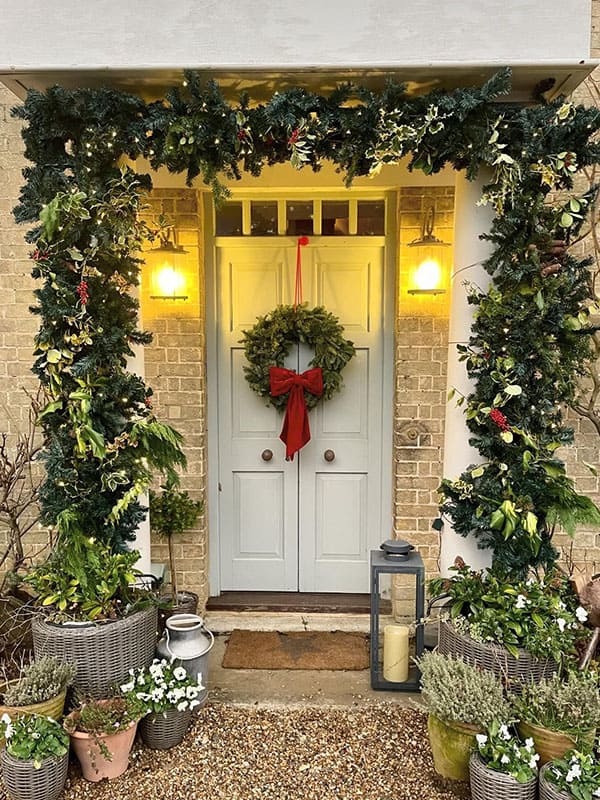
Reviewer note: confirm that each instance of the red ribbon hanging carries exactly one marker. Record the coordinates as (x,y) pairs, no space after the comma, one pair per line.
(302,242)
(296,430)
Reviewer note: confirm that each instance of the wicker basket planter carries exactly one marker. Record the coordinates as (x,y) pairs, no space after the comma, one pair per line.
(187,603)
(24,782)
(489,784)
(53,707)
(514,672)
(552,744)
(548,791)
(103,653)
(163,731)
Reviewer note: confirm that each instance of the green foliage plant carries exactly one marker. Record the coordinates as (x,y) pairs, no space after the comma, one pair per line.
(501,749)
(530,339)
(163,686)
(84,579)
(567,704)
(454,691)
(40,681)
(172,512)
(34,738)
(540,615)
(576,774)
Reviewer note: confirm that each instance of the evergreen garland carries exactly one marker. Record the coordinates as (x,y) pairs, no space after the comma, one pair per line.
(529,341)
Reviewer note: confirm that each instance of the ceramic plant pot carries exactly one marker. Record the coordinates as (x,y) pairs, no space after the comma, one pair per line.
(552,744)
(53,707)
(91,752)
(451,745)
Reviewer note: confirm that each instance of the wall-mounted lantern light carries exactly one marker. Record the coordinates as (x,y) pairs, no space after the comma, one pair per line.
(430,256)
(167,274)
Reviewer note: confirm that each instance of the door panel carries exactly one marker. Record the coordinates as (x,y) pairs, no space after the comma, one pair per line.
(309,524)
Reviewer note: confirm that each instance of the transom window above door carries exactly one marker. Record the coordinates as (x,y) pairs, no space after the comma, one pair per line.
(285,216)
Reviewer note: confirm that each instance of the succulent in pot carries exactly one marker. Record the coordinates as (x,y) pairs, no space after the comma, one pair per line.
(560,713)
(36,757)
(41,689)
(102,734)
(462,701)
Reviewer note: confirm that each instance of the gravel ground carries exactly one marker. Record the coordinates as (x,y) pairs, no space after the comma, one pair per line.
(378,752)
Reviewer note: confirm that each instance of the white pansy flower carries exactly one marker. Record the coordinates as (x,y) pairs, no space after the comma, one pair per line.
(521,601)
(191,692)
(179,673)
(561,624)
(194,703)
(529,744)
(481,739)
(533,761)
(581,614)
(504,732)
(8,731)
(182,706)
(127,687)
(505,759)
(596,792)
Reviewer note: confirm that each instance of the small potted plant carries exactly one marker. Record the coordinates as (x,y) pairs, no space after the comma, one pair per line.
(560,713)
(36,757)
(575,776)
(41,689)
(172,512)
(93,614)
(462,701)
(503,765)
(102,734)
(521,630)
(167,696)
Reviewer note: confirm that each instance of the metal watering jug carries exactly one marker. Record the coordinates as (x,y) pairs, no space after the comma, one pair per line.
(187,642)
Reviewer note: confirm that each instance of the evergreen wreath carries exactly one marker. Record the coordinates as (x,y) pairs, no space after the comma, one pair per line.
(267,344)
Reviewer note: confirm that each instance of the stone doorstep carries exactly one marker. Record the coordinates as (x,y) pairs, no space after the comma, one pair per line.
(220,622)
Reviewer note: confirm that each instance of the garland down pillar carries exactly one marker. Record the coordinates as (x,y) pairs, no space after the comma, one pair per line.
(470,221)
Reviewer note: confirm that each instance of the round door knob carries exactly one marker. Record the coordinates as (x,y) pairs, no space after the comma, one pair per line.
(329,455)
(266,455)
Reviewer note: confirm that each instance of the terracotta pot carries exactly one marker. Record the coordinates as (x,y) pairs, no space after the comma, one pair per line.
(94,764)
(552,744)
(451,745)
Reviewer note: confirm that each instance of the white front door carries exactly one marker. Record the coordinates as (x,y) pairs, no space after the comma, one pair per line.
(308,524)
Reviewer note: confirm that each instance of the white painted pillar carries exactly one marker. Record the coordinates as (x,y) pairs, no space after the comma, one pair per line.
(135,364)
(470,220)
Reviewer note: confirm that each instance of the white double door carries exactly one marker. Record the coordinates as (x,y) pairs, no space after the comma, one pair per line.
(308,524)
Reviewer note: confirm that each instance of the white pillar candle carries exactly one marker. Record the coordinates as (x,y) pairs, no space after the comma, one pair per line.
(395,653)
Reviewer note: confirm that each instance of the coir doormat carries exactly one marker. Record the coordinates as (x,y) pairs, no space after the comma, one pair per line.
(297,650)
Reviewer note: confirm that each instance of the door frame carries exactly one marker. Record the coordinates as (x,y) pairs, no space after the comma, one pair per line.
(212,345)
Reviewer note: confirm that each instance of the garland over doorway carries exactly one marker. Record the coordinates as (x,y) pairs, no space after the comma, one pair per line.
(528,342)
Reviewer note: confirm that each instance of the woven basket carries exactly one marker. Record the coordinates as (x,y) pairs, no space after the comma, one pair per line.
(49,708)
(489,784)
(514,672)
(24,782)
(163,731)
(548,791)
(103,653)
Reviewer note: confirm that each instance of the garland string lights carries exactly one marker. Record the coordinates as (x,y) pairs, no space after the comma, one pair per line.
(529,339)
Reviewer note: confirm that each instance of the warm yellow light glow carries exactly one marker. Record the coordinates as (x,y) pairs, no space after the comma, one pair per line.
(428,275)
(170,282)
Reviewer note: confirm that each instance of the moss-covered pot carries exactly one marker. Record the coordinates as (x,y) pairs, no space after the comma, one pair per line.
(451,745)
(552,744)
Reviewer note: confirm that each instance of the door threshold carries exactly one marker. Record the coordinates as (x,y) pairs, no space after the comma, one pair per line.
(294,602)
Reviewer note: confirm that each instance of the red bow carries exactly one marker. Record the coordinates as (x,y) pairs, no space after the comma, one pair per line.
(296,431)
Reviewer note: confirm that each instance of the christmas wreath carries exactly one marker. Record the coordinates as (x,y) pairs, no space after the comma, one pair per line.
(267,344)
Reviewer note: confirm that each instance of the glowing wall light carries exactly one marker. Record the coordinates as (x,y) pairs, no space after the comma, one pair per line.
(429,260)
(167,274)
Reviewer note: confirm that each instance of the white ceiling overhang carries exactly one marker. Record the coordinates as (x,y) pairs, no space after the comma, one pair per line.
(152,83)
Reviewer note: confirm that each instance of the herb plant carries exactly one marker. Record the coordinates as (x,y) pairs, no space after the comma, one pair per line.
(163,687)
(40,681)
(576,774)
(541,616)
(34,738)
(102,717)
(502,751)
(454,691)
(568,704)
